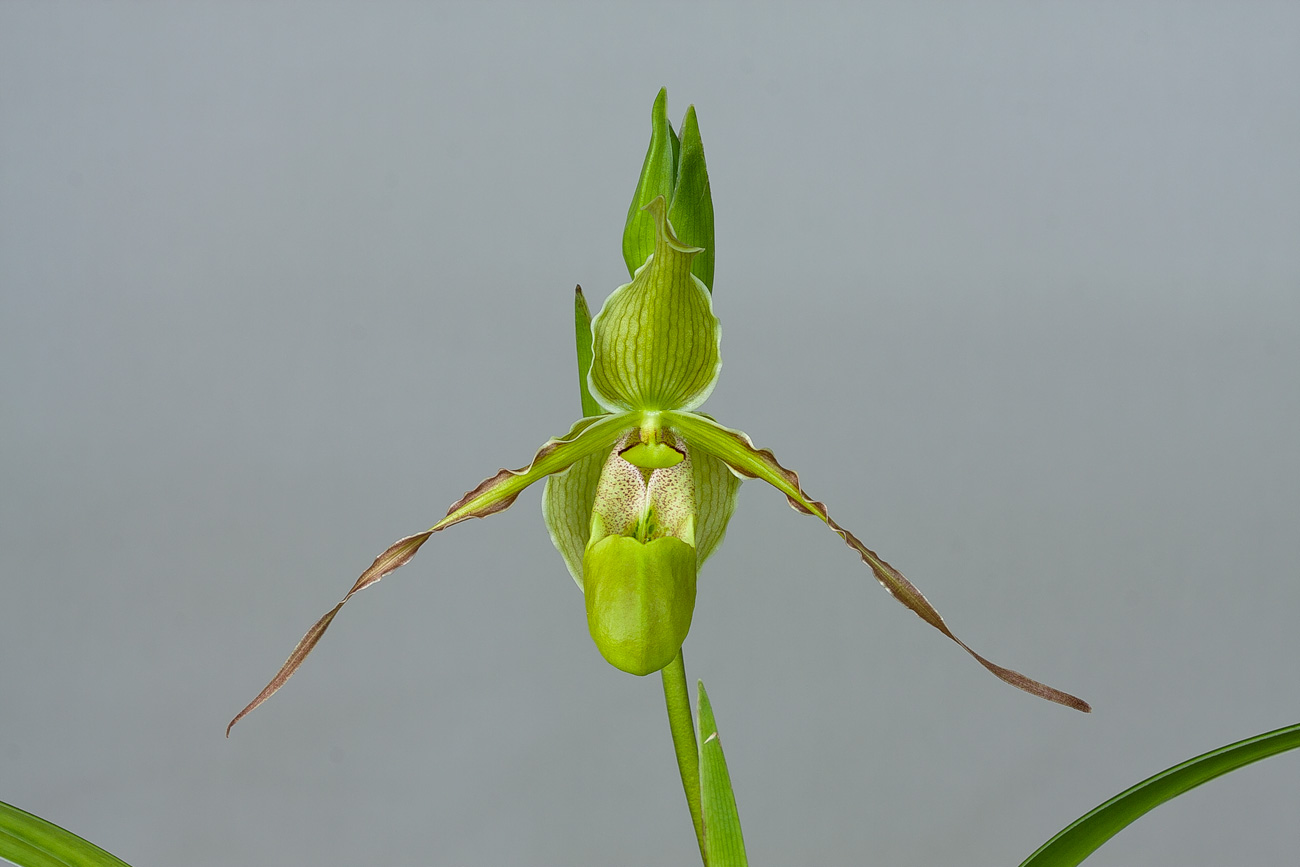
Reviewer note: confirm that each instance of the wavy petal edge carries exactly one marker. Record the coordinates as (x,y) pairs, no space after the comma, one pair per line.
(738,451)
(492,495)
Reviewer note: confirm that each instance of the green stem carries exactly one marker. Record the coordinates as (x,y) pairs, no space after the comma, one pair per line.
(680,719)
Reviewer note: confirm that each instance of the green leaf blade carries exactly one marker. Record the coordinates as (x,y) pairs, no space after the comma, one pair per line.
(723,844)
(582,335)
(1089,832)
(30,841)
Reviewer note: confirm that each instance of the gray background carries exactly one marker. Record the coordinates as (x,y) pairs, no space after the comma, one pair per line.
(1015,288)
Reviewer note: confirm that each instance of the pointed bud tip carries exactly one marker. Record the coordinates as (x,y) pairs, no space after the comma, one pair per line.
(658,208)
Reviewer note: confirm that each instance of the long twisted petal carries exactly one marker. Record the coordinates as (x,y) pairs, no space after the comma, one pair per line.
(590,435)
(738,451)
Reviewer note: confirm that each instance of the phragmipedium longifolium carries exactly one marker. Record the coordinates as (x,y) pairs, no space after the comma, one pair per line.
(640,490)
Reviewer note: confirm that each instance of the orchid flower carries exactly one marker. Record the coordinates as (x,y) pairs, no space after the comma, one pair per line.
(640,490)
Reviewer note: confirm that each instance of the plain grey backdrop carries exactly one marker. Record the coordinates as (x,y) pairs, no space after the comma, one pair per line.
(1014,287)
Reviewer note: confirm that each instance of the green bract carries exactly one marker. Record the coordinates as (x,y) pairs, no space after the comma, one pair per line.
(674,169)
(639,492)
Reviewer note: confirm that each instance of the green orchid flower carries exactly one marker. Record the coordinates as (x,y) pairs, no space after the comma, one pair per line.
(639,491)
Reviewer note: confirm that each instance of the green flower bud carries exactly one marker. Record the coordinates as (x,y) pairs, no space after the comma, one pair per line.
(640,562)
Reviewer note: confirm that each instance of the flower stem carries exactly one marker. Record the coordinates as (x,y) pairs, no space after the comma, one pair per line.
(680,720)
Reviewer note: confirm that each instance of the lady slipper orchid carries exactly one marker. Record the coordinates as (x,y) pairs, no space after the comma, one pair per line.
(639,491)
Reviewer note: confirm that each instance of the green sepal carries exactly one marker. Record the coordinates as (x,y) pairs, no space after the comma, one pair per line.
(640,597)
(691,212)
(656,341)
(658,178)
